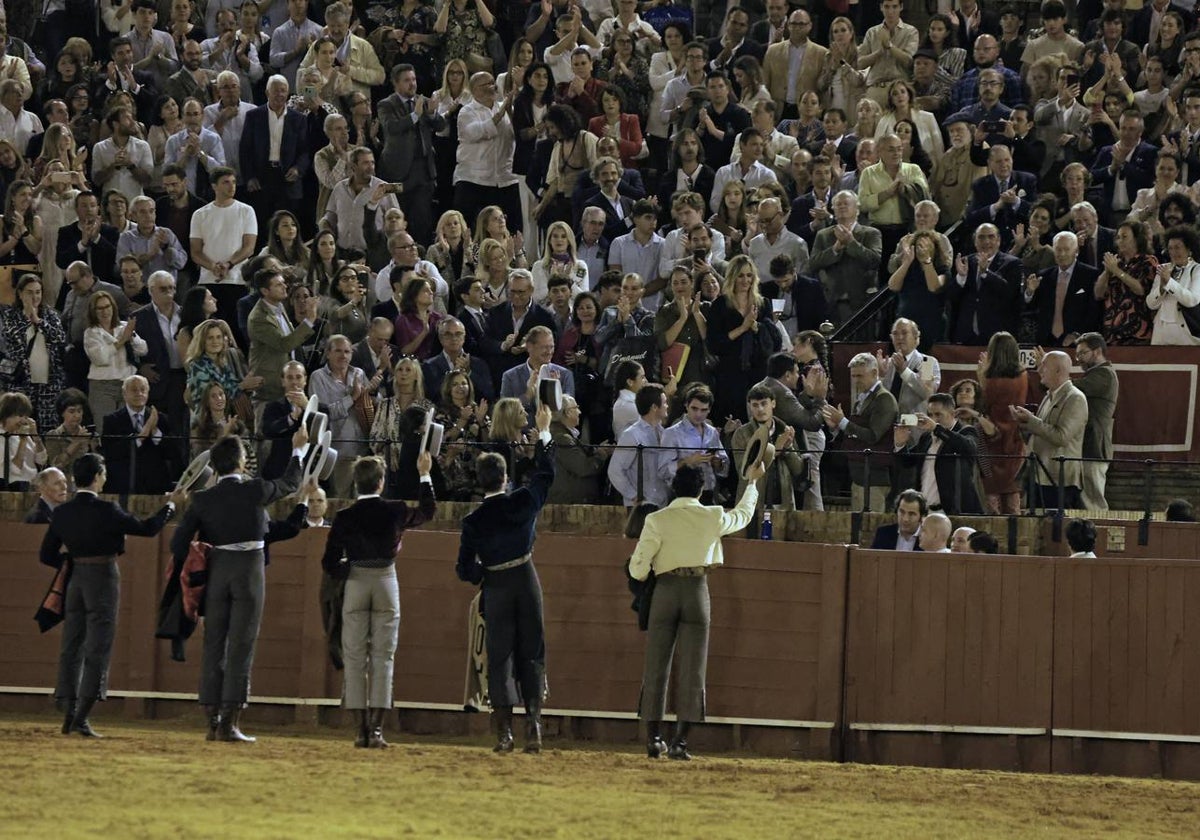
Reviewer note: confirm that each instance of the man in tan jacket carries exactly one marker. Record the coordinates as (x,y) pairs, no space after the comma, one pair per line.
(1056,431)
(785,87)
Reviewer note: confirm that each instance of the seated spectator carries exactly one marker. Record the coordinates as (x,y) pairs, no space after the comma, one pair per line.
(509,323)
(944,458)
(628,319)
(1081,537)
(346,311)
(578,467)
(960,540)
(25,453)
(70,438)
(632,468)
(981,542)
(902,535)
(629,379)
(216,419)
(212,357)
(935,533)
(466,421)
(1180,510)
(452,336)
(52,489)
(136,445)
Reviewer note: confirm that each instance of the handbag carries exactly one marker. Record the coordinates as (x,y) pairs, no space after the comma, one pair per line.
(1191,317)
(642,349)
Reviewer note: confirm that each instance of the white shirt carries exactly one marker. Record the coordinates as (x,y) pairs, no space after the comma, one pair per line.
(275,127)
(19,128)
(485,148)
(168,327)
(122,180)
(221,230)
(757,174)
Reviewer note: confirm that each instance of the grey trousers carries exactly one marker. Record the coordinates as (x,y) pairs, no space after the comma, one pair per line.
(370,630)
(679,615)
(89,625)
(233,614)
(1095,477)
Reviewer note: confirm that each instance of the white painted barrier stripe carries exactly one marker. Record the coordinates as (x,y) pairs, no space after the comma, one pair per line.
(948,728)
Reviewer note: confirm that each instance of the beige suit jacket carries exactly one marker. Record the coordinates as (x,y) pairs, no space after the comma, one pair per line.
(687,533)
(1058,430)
(775,71)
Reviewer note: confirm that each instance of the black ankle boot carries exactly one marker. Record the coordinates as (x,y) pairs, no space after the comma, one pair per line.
(533,728)
(656,747)
(80,722)
(375,737)
(678,749)
(360,722)
(502,720)
(214,722)
(227,729)
(69,718)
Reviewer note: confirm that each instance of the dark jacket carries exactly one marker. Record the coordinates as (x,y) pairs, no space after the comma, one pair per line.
(503,527)
(1081,312)
(886,536)
(436,368)
(405,142)
(88,526)
(702,183)
(994,299)
(40,514)
(255,148)
(101,255)
(157,354)
(151,467)
(370,529)
(953,467)
(985,192)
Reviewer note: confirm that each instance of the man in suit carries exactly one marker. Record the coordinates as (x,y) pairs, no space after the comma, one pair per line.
(231,516)
(452,334)
(274,153)
(685,174)
(361,549)
(88,239)
(1186,141)
(846,257)
(680,545)
(1124,167)
(272,335)
(281,418)
(375,351)
(726,49)
(618,209)
(1062,296)
(985,292)
(772,29)
(121,76)
(52,489)
(162,365)
(1062,124)
(1056,431)
(944,458)
(521,382)
(137,445)
(93,533)
(811,211)
(496,550)
(1100,386)
(1002,197)
(510,322)
(911,376)
(803,297)
(868,426)
(901,535)
(801,411)
(1094,241)
(784,83)
(408,122)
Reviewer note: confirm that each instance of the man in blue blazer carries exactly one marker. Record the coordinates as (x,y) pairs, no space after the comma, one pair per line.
(162,365)
(273,173)
(452,334)
(516,382)
(496,550)
(1002,197)
(901,535)
(1129,163)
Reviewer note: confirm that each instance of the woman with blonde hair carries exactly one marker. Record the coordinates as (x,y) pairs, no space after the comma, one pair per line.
(59,144)
(492,223)
(448,100)
(867,114)
(559,259)
(492,271)
(449,250)
(113,349)
(741,335)
(1043,78)
(212,357)
(396,430)
(840,84)
(508,439)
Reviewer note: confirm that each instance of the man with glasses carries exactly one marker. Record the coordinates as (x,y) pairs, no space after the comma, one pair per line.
(162,365)
(966,91)
(453,335)
(484,173)
(404,254)
(775,240)
(510,322)
(678,109)
(791,67)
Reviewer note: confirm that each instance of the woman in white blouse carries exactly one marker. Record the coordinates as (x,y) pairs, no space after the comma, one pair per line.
(1177,285)
(559,260)
(107,342)
(902,105)
(665,65)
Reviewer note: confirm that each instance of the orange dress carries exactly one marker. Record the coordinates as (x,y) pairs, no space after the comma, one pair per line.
(1000,392)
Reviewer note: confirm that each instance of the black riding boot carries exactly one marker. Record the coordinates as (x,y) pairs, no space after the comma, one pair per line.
(375,738)
(214,722)
(80,723)
(502,719)
(678,749)
(656,747)
(227,729)
(364,732)
(533,727)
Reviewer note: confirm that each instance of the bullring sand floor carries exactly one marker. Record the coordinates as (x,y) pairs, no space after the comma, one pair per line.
(160,779)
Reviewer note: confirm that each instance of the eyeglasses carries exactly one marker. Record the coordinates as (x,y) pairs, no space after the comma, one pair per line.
(990,83)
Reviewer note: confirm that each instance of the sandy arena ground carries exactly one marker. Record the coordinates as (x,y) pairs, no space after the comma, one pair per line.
(160,779)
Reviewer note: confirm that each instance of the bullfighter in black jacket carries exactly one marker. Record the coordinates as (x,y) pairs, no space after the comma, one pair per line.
(496,550)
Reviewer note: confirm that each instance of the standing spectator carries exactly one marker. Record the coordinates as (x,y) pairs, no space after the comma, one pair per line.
(195,148)
(889,192)
(887,51)
(291,39)
(339,385)
(632,468)
(868,426)
(192,80)
(273,337)
(274,153)
(223,235)
(775,240)
(909,374)
(944,458)
(408,123)
(211,358)
(1056,432)
(919,282)
(694,442)
(1099,385)
(486,143)
(1123,286)
(721,121)
(416,325)
(522,383)
(158,324)
(354,198)
(846,257)
(141,456)
(354,54)
(985,296)
(1056,38)
(36,341)
(1064,296)
(1005,385)
(627,319)
(227,117)
(741,335)
(124,161)
(156,248)
(113,348)
(1177,285)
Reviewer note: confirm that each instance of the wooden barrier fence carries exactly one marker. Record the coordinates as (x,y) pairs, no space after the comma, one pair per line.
(822,651)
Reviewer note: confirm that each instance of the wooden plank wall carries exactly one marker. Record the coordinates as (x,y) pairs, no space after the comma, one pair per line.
(1179,540)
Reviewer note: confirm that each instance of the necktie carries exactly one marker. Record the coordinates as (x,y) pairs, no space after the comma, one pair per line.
(137,423)
(1060,299)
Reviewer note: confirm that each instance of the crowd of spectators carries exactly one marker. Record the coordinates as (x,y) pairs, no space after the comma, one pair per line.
(214,211)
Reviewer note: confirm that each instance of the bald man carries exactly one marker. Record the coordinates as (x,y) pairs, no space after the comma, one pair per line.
(960,541)
(935,533)
(1056,431)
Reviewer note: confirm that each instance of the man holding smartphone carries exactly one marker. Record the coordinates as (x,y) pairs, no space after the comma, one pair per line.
(694,442)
